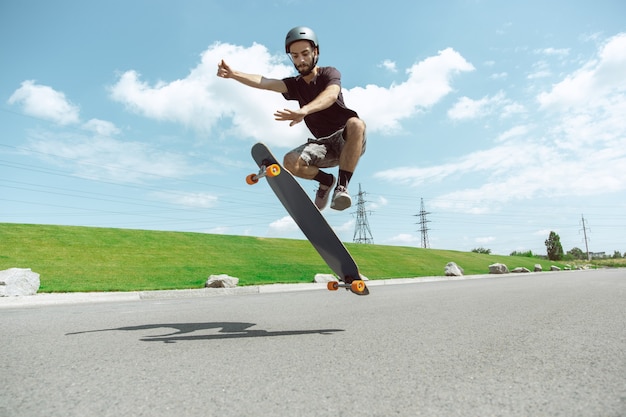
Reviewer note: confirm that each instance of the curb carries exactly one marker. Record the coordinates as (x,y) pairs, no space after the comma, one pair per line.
(47,299)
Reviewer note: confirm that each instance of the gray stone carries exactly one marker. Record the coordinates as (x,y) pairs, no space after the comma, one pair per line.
(221,281)
(538,268)
(18,282)
(498,268)
(520,269)
(554,268)
(453,270)
(324,278)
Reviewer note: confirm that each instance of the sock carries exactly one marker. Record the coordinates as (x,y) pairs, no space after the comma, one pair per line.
(344,178)
(324,178)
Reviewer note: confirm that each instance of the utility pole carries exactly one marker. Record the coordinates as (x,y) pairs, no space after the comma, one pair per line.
(362,233)
(423,228)
(585,234)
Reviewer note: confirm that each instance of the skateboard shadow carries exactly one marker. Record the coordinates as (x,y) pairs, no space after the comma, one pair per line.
(207,331)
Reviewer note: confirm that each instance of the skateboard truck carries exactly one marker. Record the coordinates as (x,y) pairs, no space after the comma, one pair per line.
(270,170)
(357,286)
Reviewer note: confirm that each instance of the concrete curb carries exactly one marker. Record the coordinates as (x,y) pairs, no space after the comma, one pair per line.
(47,299)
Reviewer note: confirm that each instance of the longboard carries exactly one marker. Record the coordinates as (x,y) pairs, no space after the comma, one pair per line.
(309,219)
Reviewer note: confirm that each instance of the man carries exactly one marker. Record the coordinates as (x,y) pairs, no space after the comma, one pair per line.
(339,133)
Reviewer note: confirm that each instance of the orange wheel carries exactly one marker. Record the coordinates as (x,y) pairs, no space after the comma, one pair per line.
(252,179)
(273,170)
(357,285)
(333,286)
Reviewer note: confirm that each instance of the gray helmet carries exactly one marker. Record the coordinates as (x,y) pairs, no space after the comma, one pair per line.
(300,33)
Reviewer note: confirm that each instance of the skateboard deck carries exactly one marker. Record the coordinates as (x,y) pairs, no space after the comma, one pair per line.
(309,219)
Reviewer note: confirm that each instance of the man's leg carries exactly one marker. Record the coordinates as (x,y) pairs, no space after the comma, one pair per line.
(354,136)
(298,166)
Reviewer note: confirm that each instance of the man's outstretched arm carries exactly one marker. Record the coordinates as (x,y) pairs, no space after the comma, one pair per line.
(252,80)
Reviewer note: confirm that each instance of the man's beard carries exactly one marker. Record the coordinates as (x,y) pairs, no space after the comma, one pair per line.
(305,70)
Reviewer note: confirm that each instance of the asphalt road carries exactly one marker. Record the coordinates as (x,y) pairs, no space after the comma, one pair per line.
(548,344)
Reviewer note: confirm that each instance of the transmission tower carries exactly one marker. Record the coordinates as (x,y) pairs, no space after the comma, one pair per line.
(585,233)
(362,233)
(423,228)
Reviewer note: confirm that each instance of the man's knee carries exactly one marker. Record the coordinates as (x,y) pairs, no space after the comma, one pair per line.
(355,123)
(290,161)
(355,128)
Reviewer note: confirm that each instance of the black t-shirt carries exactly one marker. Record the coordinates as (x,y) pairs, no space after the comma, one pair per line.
(330,120)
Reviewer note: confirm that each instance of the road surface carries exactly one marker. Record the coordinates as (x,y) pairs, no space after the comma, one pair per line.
(543,344)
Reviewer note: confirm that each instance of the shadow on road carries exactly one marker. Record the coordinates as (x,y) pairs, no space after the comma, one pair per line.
(191,331)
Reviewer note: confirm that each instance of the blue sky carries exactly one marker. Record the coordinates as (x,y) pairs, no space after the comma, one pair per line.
(506,118)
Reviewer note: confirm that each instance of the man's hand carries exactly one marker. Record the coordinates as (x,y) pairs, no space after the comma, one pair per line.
(295,116)
(223,70)
(251,80)
(323,101)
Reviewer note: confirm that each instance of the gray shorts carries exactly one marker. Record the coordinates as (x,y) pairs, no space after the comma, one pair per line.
(324,152)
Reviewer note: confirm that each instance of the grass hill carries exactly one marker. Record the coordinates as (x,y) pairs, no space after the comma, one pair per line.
(70,258)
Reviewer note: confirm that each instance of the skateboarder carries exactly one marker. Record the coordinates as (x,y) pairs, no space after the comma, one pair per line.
(339,132)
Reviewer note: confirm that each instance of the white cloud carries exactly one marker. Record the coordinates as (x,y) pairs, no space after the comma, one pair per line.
(540,69)
(514,132)
(484,240)
(499,76)
(521,167)
(101,127)
(402,239)
(347,227)
(283,226)
(106,158)
(596,82)
(428,82)
(44,102)
(545,232)
(379,202)
(201,100)
(575,147)
(389,65)
(186,199)
(561,52)
(543,73)
(219,230)
(92,152)
(466,108)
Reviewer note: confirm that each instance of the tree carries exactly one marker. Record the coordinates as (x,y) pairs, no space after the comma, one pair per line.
(577,253)
(527,254)
(553,245)
(482,250)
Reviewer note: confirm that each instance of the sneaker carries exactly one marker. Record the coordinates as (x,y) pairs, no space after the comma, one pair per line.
(322,194)
(341,199)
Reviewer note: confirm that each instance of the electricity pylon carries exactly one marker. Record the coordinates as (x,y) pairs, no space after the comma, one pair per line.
(423,228)
(362,232)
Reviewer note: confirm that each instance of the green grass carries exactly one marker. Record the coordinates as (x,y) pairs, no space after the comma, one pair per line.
(71,259)
(610,262)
